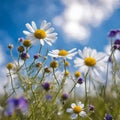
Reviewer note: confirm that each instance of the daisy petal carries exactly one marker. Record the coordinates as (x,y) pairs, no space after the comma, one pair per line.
(48,42)
(43,24)
(73,105)
(42,42)
(69,110)
(72,50)
(46,26)
(82,113)
(34,26)
(50,30)
(29,27)
(26,32)
(74,116)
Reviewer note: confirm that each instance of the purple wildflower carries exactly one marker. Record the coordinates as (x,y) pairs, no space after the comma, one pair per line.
(91,108)
(16,104)
(80,81)
(64,96)
(108,117)
(46,86)
(24,56)
(21,39)
(116,44)
(48,97)
(36,56)
(112,33)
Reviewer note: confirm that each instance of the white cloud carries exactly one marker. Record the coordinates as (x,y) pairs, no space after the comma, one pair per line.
(2,58)
(3,72)
(79,15)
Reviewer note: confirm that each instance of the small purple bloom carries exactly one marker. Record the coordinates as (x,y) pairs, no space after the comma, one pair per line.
(110,59)
(64,96)
(117,42)
(16,104)
(91,108)
(48,97)
(21,39)
(112,33)
(118,31)
(108,117)
(24,56)
(80,81)
(46,86)
(36,56)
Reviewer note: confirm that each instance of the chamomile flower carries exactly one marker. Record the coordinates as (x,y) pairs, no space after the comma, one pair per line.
(42,34)
(63,53)
(90,60)
(76,110)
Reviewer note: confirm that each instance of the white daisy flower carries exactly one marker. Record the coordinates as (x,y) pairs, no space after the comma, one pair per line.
(90,60)
(63,53)
(76,110)
(42,34)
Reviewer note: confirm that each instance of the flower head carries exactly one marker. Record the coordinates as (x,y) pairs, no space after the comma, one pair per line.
(112,33)
(108,117)
(54,64)
(116,44)
(76,110)
(20,39)
(64,96)
(91,108)
(21,49)
(77,74)
(63,53)
(46,86)
(24,56)
(10,66)
(48,97)
(47,70)
(10,46)
(16,103)
(90,60)
(42,34)
(36,56)
(27,43)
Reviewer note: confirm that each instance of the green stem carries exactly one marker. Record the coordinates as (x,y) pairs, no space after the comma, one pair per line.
(12,82)
(86,96)
(55,76)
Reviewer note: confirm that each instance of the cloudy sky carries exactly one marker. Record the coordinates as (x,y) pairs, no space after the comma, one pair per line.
(78,23)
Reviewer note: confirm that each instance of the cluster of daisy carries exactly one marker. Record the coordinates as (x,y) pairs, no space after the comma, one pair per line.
(47,88)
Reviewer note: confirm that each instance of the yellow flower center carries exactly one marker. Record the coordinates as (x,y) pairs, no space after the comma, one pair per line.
(66,73)
(63,53)
(89,61)
(10,66)
(27,43)
(40,34)
(77,74)
(77,109)
(54,64)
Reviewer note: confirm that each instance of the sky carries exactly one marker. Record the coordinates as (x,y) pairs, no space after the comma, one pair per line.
(78,23)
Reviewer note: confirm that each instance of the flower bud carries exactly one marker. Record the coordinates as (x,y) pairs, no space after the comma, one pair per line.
(10,66)
(54,64)
(27,43)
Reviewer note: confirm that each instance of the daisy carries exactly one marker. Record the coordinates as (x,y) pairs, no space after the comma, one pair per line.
(42,34)
(76,110)
(90,60)
(63,53)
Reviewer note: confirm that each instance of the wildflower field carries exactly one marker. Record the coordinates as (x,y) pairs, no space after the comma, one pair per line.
(60,84)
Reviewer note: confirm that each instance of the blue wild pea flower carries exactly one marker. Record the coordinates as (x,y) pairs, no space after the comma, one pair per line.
(16,103)
(108,117)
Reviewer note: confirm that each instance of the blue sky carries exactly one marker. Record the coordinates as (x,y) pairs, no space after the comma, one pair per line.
(78,23)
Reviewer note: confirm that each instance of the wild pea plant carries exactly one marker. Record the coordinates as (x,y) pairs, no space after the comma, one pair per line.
(47,90)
